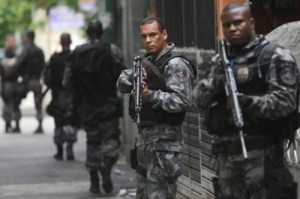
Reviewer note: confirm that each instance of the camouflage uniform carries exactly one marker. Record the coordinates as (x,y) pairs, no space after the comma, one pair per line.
(268,95)
(9,77)
(96,87)
(30,65)
(159,146)
(63,104)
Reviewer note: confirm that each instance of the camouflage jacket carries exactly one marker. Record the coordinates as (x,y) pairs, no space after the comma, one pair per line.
(280,80)
(178,80)
(31,61)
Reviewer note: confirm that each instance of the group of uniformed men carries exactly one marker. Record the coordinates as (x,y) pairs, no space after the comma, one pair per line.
(19,75)
(84,93)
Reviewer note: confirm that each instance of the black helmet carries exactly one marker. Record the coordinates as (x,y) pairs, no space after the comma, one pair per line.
(65,39)
(94,29)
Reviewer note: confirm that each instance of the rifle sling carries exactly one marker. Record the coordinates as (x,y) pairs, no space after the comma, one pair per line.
(154,69)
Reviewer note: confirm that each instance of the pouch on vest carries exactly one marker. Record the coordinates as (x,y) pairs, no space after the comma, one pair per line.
(133,158)
(217,118)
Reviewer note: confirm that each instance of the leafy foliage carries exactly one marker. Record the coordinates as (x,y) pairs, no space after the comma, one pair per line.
(16,15)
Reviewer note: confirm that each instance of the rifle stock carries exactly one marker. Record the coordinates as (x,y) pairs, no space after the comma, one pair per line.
(232,95)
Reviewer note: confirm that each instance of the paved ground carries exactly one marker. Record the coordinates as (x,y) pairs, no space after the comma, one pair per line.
(28,170)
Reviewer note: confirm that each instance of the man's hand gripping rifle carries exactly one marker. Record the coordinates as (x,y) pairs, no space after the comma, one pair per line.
(137,87)
(232,95)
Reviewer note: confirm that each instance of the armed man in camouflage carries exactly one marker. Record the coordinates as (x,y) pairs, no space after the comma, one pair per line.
(165,100)
(267,80)
(9,83)
(92,74)
(63,104)
(31,63)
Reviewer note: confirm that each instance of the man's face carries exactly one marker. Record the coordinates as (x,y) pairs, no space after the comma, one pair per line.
(154,41)
(238,26)
(10,42)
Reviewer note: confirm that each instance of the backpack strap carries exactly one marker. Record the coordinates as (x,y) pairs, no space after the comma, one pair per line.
(154,69)
(264,54)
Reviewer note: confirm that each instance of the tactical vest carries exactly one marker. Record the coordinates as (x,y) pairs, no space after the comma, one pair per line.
(252,82)
(160,116)
(8,68)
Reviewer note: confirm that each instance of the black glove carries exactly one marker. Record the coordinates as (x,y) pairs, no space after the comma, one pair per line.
(219,82)
(245,101)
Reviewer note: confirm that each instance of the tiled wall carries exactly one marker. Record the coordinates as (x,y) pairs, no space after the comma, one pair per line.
(195,182)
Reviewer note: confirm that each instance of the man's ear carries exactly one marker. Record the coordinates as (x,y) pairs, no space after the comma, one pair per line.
(165,34)
(252,22)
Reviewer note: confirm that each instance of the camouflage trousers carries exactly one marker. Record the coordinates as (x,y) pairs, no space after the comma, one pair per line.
(103,142)
(263,175)
(11,109)
(162,171)
(66,134)
(35,86)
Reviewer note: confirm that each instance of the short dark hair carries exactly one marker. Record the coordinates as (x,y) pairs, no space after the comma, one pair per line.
(149,20)
(232,6)
(94,29)
(30,34)
(65,39)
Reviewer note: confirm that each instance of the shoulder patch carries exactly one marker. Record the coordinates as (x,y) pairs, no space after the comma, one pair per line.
(287,76)
(181,74)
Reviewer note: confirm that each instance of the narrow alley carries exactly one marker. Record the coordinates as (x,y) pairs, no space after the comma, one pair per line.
(29,171)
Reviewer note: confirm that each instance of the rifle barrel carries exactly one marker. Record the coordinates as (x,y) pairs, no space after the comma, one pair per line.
(232,93)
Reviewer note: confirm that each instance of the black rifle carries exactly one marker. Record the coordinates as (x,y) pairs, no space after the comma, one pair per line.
(232,95)
(137,87)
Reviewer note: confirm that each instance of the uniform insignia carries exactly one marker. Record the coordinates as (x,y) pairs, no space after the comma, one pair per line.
(287,76)
(181,74)
(242,74)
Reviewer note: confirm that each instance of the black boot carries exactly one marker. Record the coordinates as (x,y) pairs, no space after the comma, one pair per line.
(94,178)
(17,128)
(70,153)
(59,154)
(39,130)
(8,128)
(105,171)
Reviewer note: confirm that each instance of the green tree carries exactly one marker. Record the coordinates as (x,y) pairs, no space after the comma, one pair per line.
(16,15)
